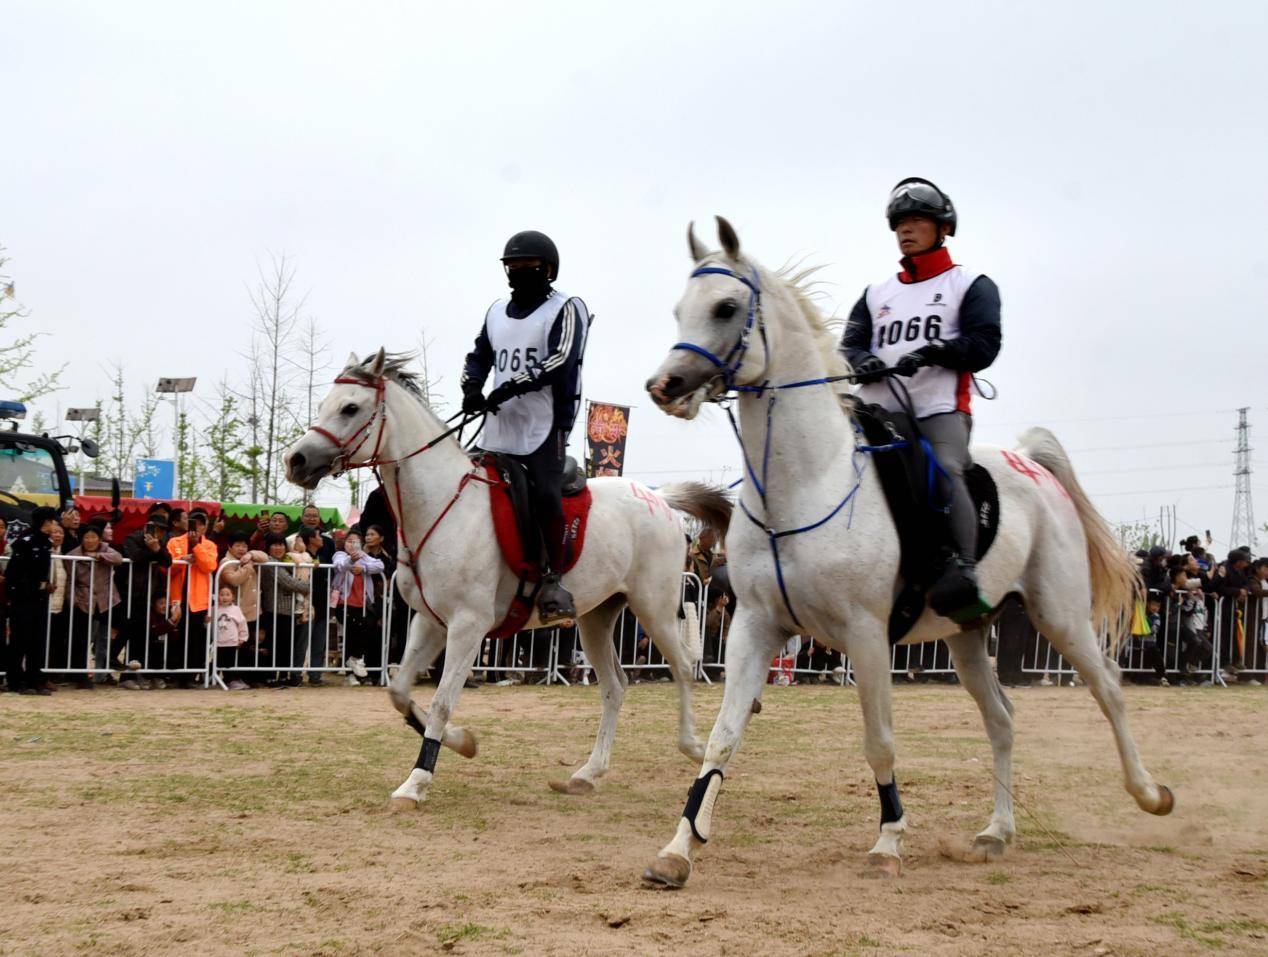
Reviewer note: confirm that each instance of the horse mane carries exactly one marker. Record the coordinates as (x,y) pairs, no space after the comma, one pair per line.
(797,279)
(394,368)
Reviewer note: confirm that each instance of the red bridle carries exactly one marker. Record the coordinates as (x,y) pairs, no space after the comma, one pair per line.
(342,463)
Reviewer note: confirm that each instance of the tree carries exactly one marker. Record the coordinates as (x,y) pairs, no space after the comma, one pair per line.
(125,433)
(277,307)
(17,358)
(311,361)
(229,465)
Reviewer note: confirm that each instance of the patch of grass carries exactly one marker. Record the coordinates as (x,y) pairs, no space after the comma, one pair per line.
(1202,932)
(998,877)
(451,934)
(1161,848)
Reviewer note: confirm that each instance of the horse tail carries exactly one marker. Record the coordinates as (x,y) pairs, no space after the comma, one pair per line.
(1113,577)
(709,503)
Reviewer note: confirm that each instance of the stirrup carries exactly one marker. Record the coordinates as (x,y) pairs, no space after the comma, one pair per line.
(554,602)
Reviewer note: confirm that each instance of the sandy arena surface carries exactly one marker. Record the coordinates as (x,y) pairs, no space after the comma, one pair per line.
(257,823)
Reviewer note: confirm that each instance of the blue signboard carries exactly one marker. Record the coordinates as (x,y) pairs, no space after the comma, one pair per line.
(155,478)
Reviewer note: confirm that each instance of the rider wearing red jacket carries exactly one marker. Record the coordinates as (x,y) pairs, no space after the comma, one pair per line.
(937,323)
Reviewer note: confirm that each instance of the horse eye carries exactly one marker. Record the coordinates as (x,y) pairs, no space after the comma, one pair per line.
(725,309)
(349,409)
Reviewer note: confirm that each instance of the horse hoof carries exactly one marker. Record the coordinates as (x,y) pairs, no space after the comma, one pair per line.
(1166,801)
(668,870)
(464,742)
(573,786)
(884,866)
(402,805)
(985,849)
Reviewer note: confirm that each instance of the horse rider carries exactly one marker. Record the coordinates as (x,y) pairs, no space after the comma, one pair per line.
(533,343)
(936,323)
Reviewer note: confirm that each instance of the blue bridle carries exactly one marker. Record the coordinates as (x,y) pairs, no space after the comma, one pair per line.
(730,366)
(735,358)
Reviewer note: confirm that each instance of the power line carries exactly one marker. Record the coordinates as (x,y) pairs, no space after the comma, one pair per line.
(1162,491)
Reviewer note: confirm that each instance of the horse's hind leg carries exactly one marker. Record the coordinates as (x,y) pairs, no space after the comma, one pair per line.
(968,652)
(595,628)
(660,619)
(750,645)
(1078,643)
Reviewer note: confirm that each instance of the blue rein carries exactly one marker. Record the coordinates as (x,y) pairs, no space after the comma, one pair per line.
(730,367)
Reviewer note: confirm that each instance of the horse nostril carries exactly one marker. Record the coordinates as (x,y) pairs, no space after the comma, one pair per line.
(672,385)
(297,460)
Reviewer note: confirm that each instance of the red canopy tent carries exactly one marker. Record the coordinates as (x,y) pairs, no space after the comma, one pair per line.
(134,510)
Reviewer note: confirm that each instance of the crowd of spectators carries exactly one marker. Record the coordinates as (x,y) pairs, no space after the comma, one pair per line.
(299,604)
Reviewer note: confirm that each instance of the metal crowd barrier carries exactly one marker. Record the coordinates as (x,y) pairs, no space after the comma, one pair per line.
(314,639)
(91,642)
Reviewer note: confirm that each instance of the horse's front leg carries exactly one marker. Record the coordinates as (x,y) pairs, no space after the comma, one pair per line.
(870,657)
(751,644)
(464,637)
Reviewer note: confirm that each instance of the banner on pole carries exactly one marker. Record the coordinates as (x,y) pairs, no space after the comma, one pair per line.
(607,427)
(155,478)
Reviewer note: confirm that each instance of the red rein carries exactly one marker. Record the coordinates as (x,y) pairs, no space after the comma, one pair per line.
(343,463)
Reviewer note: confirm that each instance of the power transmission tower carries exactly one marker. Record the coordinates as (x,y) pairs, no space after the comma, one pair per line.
(1243,511)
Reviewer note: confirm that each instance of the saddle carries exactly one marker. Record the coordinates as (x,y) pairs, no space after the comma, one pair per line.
(516,530)
(907,469)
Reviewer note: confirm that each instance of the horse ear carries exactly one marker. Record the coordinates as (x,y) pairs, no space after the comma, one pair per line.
(726,236)
(698,252)
(378,363)
(353,361)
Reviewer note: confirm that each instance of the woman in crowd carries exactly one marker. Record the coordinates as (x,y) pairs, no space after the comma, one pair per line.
(239,570)
(313,544)
(354,590)
(70,528)
(278,590)
(96,598)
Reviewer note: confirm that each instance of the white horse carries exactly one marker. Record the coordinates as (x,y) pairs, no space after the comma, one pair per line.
(743,325)
(634,553)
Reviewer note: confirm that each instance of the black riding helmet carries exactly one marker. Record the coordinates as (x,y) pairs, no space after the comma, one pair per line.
(530,244)
(919,197)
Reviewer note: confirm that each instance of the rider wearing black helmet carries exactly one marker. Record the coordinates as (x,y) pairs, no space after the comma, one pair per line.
(533,344)
(937,323)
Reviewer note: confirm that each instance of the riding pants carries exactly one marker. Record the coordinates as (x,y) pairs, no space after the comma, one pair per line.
(948,433)
(545,466)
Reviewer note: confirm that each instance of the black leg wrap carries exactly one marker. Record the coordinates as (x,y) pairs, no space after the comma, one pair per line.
(427,756)
(411,719)
(695,799)
(891,806)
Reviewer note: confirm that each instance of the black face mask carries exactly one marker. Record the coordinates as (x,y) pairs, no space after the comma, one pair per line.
(529,284)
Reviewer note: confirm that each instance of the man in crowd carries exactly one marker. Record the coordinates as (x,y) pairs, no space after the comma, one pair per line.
(144,577)
(275,524)
(28,583)
(194,560)
(311,520)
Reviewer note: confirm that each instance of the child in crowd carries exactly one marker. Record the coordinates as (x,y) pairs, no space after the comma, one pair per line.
(353,587)
(231,635)
(278,590)
(1193,641)
(164,637)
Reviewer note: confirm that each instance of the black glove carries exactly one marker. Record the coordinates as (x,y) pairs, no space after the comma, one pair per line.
(499,396)
(913,362)
(868,369)
(473,403)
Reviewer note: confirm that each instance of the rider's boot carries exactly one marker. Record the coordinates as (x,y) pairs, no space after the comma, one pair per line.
(955,595)
(554,601)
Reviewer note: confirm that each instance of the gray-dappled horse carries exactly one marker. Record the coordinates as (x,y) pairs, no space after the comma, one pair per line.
(820,555)
(452,571)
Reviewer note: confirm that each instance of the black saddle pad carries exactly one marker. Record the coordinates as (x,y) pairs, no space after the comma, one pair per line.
(903,466)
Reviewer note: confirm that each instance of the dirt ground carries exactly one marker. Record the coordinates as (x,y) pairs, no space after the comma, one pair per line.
(257,823)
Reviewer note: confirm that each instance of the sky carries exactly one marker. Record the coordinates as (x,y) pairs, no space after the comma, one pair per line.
(1106,161)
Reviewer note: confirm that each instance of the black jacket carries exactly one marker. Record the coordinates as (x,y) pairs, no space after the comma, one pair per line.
(29,568)
(147,568)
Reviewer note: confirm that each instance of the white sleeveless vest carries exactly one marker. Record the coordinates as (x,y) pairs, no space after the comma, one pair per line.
(519,346)
(906,316)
